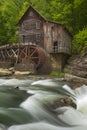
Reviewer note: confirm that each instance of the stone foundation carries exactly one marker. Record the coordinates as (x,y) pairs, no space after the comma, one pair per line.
(58,61)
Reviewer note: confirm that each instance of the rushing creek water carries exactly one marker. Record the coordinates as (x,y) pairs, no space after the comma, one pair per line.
(24,105)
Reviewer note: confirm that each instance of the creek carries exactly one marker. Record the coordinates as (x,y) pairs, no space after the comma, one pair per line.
(25,105)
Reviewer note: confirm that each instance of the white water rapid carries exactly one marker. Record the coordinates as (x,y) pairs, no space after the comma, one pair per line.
(33,112)
(80,97)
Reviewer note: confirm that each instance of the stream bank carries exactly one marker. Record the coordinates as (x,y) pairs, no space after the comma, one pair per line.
(75,71)
(77,66)
(11,73)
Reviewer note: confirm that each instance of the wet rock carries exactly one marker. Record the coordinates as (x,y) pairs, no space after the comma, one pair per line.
(5,72)
(78,66)
(11,69)
(75,79)
(22,73)
(62,102)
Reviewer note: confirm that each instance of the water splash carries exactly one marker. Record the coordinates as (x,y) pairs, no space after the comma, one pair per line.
(80,97)
(44,126)
(81,94)
(67,88)
(42,118)
(15,82)
(46,82)
(2,127)
(34,105)
(72,116)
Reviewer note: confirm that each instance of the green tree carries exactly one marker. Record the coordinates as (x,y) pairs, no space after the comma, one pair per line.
(71,13)
(9,15)
(80,42)
(80,7)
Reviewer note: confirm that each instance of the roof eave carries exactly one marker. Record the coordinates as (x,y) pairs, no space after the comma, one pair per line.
(30,7)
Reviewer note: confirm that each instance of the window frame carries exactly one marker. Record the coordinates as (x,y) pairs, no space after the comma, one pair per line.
(38,24)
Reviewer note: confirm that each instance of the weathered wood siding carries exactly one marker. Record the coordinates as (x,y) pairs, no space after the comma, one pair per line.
(31,29)
(53,37)
(66,42)
(56,39)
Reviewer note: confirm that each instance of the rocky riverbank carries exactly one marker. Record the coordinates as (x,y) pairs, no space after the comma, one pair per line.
(11,71)
(76,70)
(18,74)
(78,66)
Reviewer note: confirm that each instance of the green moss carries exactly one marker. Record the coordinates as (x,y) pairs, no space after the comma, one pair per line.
(57,74)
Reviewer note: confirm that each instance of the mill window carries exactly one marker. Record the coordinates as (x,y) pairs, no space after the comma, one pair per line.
(55,47)
(38,25)
(38,37)
(31,13)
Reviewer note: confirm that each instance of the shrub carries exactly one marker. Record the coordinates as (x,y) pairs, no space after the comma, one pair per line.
(80,42)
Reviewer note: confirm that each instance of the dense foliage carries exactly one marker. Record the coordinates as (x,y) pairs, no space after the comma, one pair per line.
(80,42)
(72,13)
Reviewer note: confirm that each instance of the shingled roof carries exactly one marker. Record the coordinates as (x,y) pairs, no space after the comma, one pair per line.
(43,18)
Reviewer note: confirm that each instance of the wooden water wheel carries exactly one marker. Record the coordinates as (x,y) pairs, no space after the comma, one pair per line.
(32,54)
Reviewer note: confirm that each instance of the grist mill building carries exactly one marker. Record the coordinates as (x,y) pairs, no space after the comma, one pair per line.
(46,44)
(54,38)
